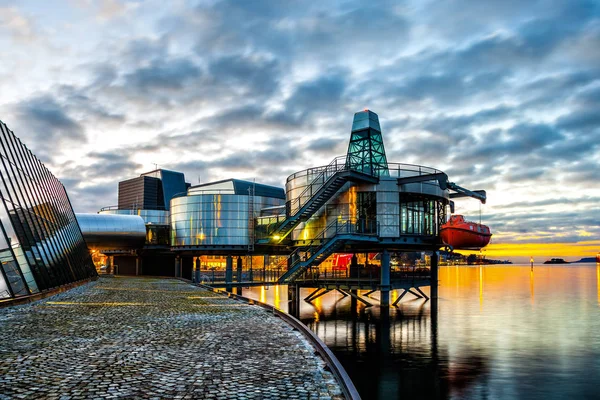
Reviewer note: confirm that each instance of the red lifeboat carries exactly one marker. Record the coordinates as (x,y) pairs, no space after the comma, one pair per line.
(462,234)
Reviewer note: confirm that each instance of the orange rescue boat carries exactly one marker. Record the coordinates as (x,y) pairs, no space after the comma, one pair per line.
(462,234)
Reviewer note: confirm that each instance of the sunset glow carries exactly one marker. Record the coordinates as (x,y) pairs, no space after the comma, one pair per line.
(518,252)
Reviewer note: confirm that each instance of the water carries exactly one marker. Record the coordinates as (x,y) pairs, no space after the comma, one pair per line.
(499,332)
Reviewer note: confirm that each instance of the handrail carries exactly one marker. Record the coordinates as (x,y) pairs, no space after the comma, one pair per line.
(108,208)
(332,166)
(347,227)
(112,208)
(316,169)
(391,166)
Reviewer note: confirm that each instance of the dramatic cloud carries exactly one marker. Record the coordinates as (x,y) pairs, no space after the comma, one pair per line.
(501,95)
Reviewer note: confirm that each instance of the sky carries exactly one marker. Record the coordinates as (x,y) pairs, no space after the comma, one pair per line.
(501,95)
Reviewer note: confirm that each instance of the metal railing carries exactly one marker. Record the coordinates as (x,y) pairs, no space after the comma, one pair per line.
(324,174)
(330,232)
(113,208)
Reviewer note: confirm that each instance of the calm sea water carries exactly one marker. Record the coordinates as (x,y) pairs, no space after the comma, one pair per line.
(498,332)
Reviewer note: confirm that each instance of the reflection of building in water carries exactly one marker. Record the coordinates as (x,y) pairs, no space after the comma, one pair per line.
(401,344)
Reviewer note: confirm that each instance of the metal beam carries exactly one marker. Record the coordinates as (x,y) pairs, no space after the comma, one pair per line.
(441,177)
(308,298)
(420,291)
(400,297)
(358,298)
(462,192)
(317,295)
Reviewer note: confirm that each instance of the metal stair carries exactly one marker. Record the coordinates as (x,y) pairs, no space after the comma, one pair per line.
(338,235)
(316,194)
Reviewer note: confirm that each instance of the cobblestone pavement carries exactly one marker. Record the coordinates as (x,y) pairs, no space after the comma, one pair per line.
(154,338)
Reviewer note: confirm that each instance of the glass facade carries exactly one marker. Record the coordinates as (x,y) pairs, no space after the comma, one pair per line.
(366,152)
(214,219)
(155,217)
(386,208)
(41,245)
(419,215)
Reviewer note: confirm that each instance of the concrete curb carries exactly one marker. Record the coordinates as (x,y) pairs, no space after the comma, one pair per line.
(330,359)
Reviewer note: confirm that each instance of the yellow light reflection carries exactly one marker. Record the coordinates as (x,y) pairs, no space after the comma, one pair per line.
(531,290)
(480,287)
(598,280)
(318,305)
(277,299)
(352,204)
(105,304)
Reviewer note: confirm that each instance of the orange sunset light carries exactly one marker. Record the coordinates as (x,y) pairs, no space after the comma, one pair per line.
(540,251)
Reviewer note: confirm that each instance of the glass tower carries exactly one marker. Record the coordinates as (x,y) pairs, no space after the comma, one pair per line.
(41,245)
(365,151)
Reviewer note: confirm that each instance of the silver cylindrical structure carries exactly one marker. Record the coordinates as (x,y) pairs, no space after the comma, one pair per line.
(112,232)
(214,219)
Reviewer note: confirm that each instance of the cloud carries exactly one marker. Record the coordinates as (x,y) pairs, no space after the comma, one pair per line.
(501,95)
(44,123)
(162,75)
(16,24)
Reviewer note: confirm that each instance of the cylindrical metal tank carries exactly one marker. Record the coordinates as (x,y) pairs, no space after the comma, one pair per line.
(213,219)
(112,232)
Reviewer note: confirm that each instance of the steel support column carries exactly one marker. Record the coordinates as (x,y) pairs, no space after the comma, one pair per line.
(385,279)
(177,266)
(434,275)
(197,269)
(239,270)
(228,273)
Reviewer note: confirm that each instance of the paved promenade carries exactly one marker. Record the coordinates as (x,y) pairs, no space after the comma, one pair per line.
(154,338)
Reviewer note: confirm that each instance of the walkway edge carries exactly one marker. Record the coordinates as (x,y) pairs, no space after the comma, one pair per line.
(19,301)
(326,354)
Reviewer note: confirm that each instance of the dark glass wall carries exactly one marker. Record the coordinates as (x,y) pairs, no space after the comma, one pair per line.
(41,245)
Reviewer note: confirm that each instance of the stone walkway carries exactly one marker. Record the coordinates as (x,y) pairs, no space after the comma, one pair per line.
(154,338)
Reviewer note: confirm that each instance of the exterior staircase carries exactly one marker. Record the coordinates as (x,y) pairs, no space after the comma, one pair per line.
(329,241)
(321,189)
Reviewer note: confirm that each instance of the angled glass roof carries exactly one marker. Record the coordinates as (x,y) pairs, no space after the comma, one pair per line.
(366,152)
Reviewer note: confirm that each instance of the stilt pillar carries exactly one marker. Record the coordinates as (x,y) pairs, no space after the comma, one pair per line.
(238,277)
(385,279)
(434,275)
(294,300)
(354,267)
(228,273)
(109,264)
(198,263)
(177,266)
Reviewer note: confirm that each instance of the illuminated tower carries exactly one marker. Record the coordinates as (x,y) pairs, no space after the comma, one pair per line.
(365,151)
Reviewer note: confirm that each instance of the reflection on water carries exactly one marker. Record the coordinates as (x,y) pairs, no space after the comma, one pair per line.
(496,332)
